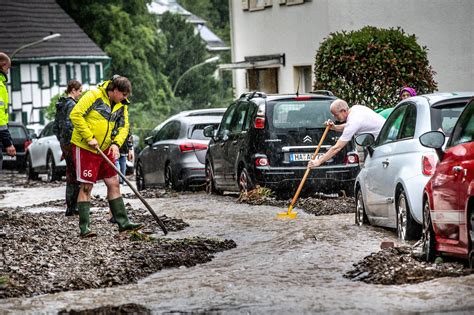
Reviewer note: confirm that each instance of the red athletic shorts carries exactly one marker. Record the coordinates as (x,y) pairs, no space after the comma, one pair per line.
(90,166)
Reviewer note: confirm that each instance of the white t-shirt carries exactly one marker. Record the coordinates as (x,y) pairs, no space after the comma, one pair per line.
(362,119)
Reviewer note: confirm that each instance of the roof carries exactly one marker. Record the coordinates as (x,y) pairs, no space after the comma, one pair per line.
(213,42)
(27,21)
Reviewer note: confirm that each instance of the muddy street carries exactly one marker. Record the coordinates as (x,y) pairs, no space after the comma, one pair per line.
(316,263)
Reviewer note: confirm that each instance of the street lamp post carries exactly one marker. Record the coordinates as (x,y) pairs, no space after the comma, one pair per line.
(210,60)
(46,38)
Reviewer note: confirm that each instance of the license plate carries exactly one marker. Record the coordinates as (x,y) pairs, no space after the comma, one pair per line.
(297,157)
(9,158)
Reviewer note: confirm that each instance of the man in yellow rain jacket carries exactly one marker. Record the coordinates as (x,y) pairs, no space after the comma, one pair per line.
(100,120)
(5,136)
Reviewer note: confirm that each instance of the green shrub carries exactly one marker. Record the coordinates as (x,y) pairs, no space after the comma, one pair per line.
(371,65)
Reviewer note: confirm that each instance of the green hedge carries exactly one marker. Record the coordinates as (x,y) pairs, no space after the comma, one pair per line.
(371,65)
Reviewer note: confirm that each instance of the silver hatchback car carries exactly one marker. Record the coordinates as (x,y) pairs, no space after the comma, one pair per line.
(44,156)
(174,157)
(389,188)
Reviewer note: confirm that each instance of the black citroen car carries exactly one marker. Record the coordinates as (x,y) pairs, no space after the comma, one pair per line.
(268,141)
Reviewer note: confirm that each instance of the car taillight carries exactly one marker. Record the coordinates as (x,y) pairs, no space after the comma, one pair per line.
(190,146)
(428,164)
(303,98)
(259,123)
(261,161)
(351,158)
(26,144)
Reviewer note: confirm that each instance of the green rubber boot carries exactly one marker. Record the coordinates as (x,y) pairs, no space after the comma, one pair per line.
(72,191)
(84,208)
(120,214)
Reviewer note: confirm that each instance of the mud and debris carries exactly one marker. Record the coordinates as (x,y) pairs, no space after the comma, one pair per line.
(42,252)
(401,265)
(110,310)
(318,204)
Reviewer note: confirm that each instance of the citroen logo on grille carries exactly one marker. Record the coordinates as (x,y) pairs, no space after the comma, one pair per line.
(307,139)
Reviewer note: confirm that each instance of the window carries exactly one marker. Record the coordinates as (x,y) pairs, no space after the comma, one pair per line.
(17,132)
(47,131)
(238,121)
(445,117)
(170,131)
(16,78)
(255,5)
(70,72)
(85,74)
(308,114)
(197,131)
(226,120)
(44,77)
(303,79)
(98,74)
(409,123)
(464,131)
(264,80)
(391,128)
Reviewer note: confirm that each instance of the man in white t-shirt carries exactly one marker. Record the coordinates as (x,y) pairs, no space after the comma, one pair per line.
(358,119)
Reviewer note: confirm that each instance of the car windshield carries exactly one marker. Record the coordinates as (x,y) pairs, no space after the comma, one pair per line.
(17,132)
(197,131)
(301,114)
(444,118)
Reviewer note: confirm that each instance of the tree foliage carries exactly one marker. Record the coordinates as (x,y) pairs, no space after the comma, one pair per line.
(185,49)
(369,66)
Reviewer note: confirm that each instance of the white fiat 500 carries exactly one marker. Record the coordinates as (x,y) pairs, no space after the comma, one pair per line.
(389,188)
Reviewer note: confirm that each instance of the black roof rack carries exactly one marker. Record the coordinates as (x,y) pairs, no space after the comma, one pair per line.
(323,92)
(250,95)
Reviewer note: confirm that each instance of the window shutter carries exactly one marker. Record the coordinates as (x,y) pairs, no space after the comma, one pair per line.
(16,78)
(40,77)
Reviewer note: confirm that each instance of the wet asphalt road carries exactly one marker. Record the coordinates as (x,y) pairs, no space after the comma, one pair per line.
(278,266)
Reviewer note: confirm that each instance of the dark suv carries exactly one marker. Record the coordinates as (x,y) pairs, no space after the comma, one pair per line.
(268,140)
(21,141)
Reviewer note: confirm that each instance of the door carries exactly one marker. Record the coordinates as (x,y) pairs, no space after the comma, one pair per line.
(217,147)
(454,178)
(379,170)
(238,131)
(154,162)
(38,154)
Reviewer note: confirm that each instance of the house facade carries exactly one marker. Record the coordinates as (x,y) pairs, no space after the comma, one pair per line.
(41,71)
(274,42)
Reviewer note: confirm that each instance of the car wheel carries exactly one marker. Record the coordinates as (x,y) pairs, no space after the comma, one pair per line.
(139,178)
(429,240)
(407,228)
(169,178)
(30,173)
(52,173)
(210,183)
(245,182)
(471,237)
(360,215)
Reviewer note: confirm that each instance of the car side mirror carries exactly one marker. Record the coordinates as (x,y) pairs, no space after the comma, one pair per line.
(209,131)
(365,139)
(149,141)
(434,140)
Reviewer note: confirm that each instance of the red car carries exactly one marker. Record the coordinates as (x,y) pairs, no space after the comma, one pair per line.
(448,199)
